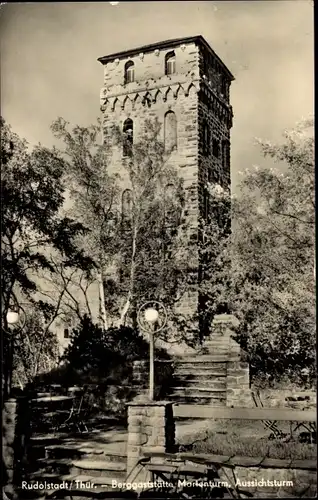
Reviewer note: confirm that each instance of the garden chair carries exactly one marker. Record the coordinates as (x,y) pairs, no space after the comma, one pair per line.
(272,426)
(310,427)
(75,417)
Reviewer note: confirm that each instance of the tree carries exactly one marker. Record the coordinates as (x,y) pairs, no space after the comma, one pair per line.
(216,256)
(151,260)
(33,228)
(70,288)
(32,196)
(94,193)
(35,348)
(273,292)
(137,253)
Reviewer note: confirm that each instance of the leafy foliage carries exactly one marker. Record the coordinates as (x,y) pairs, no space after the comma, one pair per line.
(273,292)
(105,354)
(32,196)
(35,349)
(33,230)
(137,254)
(103,362)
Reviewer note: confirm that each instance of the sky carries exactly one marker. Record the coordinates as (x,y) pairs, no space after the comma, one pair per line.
(49,64)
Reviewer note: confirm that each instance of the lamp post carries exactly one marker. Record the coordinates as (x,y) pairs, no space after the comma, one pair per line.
(149,315)
(15,321)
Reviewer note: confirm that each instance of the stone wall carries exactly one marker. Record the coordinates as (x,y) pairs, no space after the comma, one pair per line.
(238,392)
(220,341)
(151,427)
(288,398)
(163,375)
(151,435)
(261,481)
(279,480)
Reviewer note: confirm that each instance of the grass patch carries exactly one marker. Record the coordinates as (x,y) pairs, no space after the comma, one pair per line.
(247,438)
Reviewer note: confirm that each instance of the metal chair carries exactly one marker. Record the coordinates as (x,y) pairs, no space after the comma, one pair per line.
(75,417)
(272,426)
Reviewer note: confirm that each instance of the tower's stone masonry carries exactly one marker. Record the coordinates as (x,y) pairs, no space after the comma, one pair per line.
(196,90)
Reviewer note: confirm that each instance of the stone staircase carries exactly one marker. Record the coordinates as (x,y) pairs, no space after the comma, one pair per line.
(200,380)
(84,464)
(213,375)
(202,377)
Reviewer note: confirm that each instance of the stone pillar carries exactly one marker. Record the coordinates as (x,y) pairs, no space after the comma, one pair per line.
(220,340)
(15,425)
(151,427)
(8,444)
(238,392)
(221,343)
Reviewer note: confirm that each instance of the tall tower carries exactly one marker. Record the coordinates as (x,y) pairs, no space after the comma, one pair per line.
(186,86)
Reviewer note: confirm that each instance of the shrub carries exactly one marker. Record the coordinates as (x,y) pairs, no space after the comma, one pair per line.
(103,361)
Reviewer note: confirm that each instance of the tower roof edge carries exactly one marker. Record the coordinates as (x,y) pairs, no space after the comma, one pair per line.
(197,39)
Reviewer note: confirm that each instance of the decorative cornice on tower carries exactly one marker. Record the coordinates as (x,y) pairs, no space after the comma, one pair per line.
(210,91)
(152,92)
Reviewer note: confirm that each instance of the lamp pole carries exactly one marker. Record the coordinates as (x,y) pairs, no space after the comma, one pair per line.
(148,316)
(15,320)
(151,366)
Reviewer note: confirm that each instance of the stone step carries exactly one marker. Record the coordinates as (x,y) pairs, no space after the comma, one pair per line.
(203,382)
(44,439)
(66,466)
(111,448)
(220,343)
(191,366)
(99,468)
(188,373)
(201,358)
(199,391)
(64,451)
(198,400)
(51,465)
(110,452)
(185,374)
(216,350)
(59,452)
(43,476)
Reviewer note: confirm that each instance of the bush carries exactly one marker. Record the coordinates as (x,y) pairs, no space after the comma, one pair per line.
(104,362)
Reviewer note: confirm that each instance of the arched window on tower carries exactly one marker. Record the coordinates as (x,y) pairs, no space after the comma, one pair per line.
(126,205)
(128,130)
(225,154)
(170,63)
(129,72)
(170,131)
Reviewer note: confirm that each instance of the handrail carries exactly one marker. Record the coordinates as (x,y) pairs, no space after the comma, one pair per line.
(274,414)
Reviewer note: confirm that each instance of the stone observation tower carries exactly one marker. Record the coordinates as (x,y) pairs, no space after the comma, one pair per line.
(186,86)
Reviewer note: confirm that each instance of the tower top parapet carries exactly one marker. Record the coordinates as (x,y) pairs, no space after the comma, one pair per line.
(166,44)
